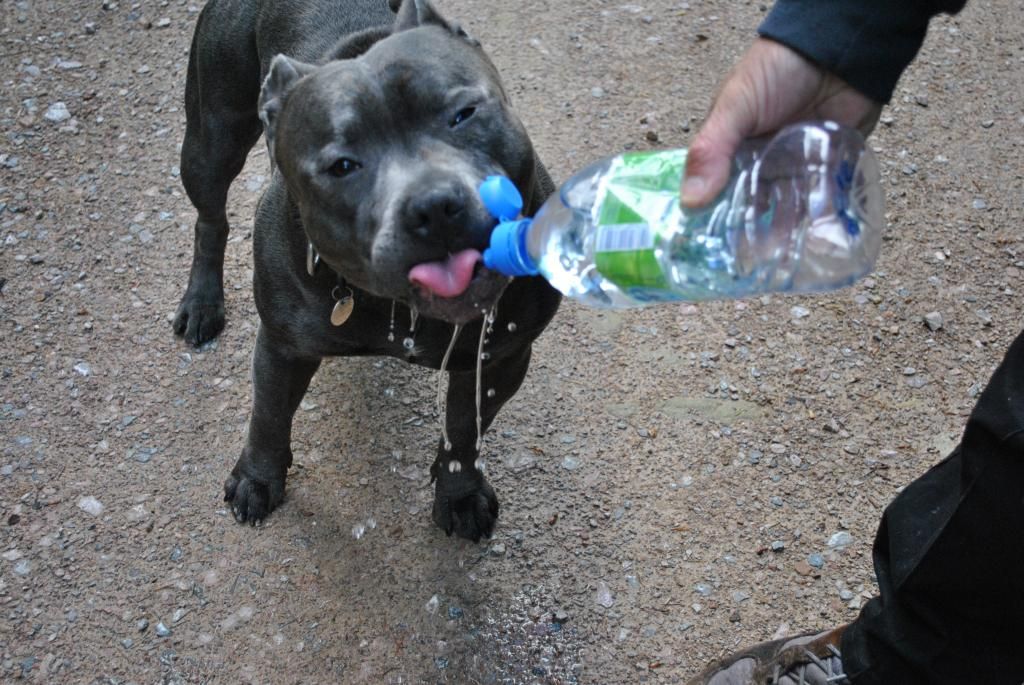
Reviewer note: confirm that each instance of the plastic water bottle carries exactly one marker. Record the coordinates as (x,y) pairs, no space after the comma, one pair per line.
(802,212)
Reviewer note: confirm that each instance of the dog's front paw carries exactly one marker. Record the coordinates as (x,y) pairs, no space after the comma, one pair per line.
(252,500)
(464,502)
(200,315)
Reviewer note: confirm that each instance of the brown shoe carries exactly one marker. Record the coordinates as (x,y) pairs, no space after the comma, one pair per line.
(808,659)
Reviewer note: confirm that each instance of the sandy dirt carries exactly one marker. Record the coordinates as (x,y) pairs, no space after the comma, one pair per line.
(669,478)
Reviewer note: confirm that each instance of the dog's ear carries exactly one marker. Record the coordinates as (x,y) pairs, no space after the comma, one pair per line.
(413,13)
(281,78)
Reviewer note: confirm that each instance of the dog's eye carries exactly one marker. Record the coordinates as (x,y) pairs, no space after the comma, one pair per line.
(462,115)
(343,166)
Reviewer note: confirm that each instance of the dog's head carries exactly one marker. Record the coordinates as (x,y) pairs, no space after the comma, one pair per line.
(383,154)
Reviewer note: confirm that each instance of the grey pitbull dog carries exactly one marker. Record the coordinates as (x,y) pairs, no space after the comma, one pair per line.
(380,126)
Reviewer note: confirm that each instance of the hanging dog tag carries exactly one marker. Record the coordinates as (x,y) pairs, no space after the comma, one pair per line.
(343,309)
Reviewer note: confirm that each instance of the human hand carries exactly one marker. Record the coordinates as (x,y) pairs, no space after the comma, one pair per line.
(769,87)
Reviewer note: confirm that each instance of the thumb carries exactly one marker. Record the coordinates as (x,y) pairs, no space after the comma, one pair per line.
(733,117)
(709,158)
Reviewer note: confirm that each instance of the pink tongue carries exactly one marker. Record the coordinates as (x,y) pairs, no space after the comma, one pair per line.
(449,278)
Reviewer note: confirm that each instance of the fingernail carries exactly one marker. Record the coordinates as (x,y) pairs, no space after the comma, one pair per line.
(693,190)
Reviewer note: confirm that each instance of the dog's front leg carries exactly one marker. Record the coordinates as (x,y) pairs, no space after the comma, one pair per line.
(256,484)
(464,502)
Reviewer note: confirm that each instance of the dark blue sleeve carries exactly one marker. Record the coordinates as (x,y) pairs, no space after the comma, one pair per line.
(867,43)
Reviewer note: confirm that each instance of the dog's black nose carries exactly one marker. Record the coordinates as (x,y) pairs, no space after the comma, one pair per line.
(438,213)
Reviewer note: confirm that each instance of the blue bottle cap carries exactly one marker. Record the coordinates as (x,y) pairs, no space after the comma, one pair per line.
(501,198)
(507,253)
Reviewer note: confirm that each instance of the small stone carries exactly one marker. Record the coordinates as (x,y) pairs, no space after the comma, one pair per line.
(651,136)
(703,589)
(570,463)
(604,596)
(90,28)
(921,100)
(933,320)
(805,569)
(162,630)
(90,505)
(127,643)
(778,545)
(776,501)
(455,612)
(144,454)
(82,368)
(740,596)
(816,560)
(432,604)
(909,370)
(831,427)
(734,617)
(561,616)
(57,112)
(846,595)
(498,550)
(597,92)
(987,123)
(142,624)
(979,204)
(799,312)
(840,540)
(163,22)
(23,567)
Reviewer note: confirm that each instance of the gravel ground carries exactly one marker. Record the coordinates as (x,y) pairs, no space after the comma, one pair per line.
(674,482)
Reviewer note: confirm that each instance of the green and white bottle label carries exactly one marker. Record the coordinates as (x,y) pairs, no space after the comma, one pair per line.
(637,211)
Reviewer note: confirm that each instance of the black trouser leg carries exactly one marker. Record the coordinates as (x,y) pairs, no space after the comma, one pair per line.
(949,557)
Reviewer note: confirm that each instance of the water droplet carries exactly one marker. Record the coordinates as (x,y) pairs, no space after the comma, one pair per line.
(512,326)
(485,355)
(441,406)
(490,392)
(408,343)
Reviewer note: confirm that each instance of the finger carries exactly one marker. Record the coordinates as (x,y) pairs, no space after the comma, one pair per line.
(709,159)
